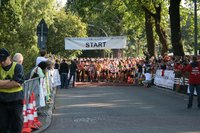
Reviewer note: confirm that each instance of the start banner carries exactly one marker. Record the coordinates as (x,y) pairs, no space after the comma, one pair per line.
(93,43)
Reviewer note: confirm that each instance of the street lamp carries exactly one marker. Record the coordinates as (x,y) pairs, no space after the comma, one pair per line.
(195,27)
(95,8)
(91,25)
(119,52)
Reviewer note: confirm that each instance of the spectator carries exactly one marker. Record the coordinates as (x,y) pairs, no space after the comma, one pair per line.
(49,64)
(41,57)
(39,70)
(194,80)
(57,65)
(11,94)
(163,65)
(148,78)
(178,74)
(64,70)
(72,68)
(18,58)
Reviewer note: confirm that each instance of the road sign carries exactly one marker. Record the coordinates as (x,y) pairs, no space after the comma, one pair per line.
(42,31)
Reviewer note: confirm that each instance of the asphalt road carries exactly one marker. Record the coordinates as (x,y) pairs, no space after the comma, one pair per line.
(123,109)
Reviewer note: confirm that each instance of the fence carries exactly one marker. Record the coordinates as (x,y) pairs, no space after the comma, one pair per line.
(168,79)
(38,93)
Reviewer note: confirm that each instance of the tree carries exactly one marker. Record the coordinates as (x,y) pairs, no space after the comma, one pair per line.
(149,34)
(159,29)
(18,20)
(114,16)
(174,13)
(64,25)
(11,21)
(187,27)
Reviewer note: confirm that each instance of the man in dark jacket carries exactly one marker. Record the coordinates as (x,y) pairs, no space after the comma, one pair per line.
(72,68)
(194,80)
(64,70)
(57,65)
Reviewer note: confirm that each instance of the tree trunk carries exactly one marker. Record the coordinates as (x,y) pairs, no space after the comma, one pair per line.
(149,34)
(115,53)
(175,28)
(162,38)
(159,30)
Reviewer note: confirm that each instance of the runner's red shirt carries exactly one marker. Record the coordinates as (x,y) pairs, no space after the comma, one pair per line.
(194,70)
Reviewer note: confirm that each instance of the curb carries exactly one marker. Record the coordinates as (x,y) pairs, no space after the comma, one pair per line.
(49,117)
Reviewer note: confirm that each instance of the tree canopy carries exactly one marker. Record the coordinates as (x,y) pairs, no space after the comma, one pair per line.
(158,26)
(18,23)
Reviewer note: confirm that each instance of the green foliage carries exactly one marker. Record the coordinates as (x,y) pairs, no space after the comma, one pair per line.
(30,57)
(11,21)
(114,17)
(65,25)
(187,20)
(187,25)
(127,18)
(19,19)
(33,12)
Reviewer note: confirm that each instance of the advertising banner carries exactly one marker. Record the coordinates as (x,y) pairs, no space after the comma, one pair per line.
(164,78)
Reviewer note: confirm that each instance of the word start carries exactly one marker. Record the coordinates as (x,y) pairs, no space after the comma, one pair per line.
(95,44)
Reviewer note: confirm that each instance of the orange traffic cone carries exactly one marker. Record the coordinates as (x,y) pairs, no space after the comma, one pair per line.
(36,120)
(30,113)
(25,129)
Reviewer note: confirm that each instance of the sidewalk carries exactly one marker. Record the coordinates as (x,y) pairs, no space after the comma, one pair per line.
(45,115)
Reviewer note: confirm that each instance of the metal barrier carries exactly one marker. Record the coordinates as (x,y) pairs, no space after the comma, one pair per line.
(29,86)
(42,89)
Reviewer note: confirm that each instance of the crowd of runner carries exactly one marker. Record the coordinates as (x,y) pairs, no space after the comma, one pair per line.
(124,70)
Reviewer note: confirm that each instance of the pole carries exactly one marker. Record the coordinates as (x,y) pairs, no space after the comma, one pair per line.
(195,27)
(118,19)
(91,25)
(42,39)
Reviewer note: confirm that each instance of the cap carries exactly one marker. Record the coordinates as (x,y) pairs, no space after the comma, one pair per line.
(4,54)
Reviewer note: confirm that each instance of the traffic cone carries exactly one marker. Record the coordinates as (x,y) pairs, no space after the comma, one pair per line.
(36,120)
(30,113)
(25,129)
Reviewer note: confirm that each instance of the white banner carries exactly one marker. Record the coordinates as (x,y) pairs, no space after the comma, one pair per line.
(164,79)
(92,43)
(41,92)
